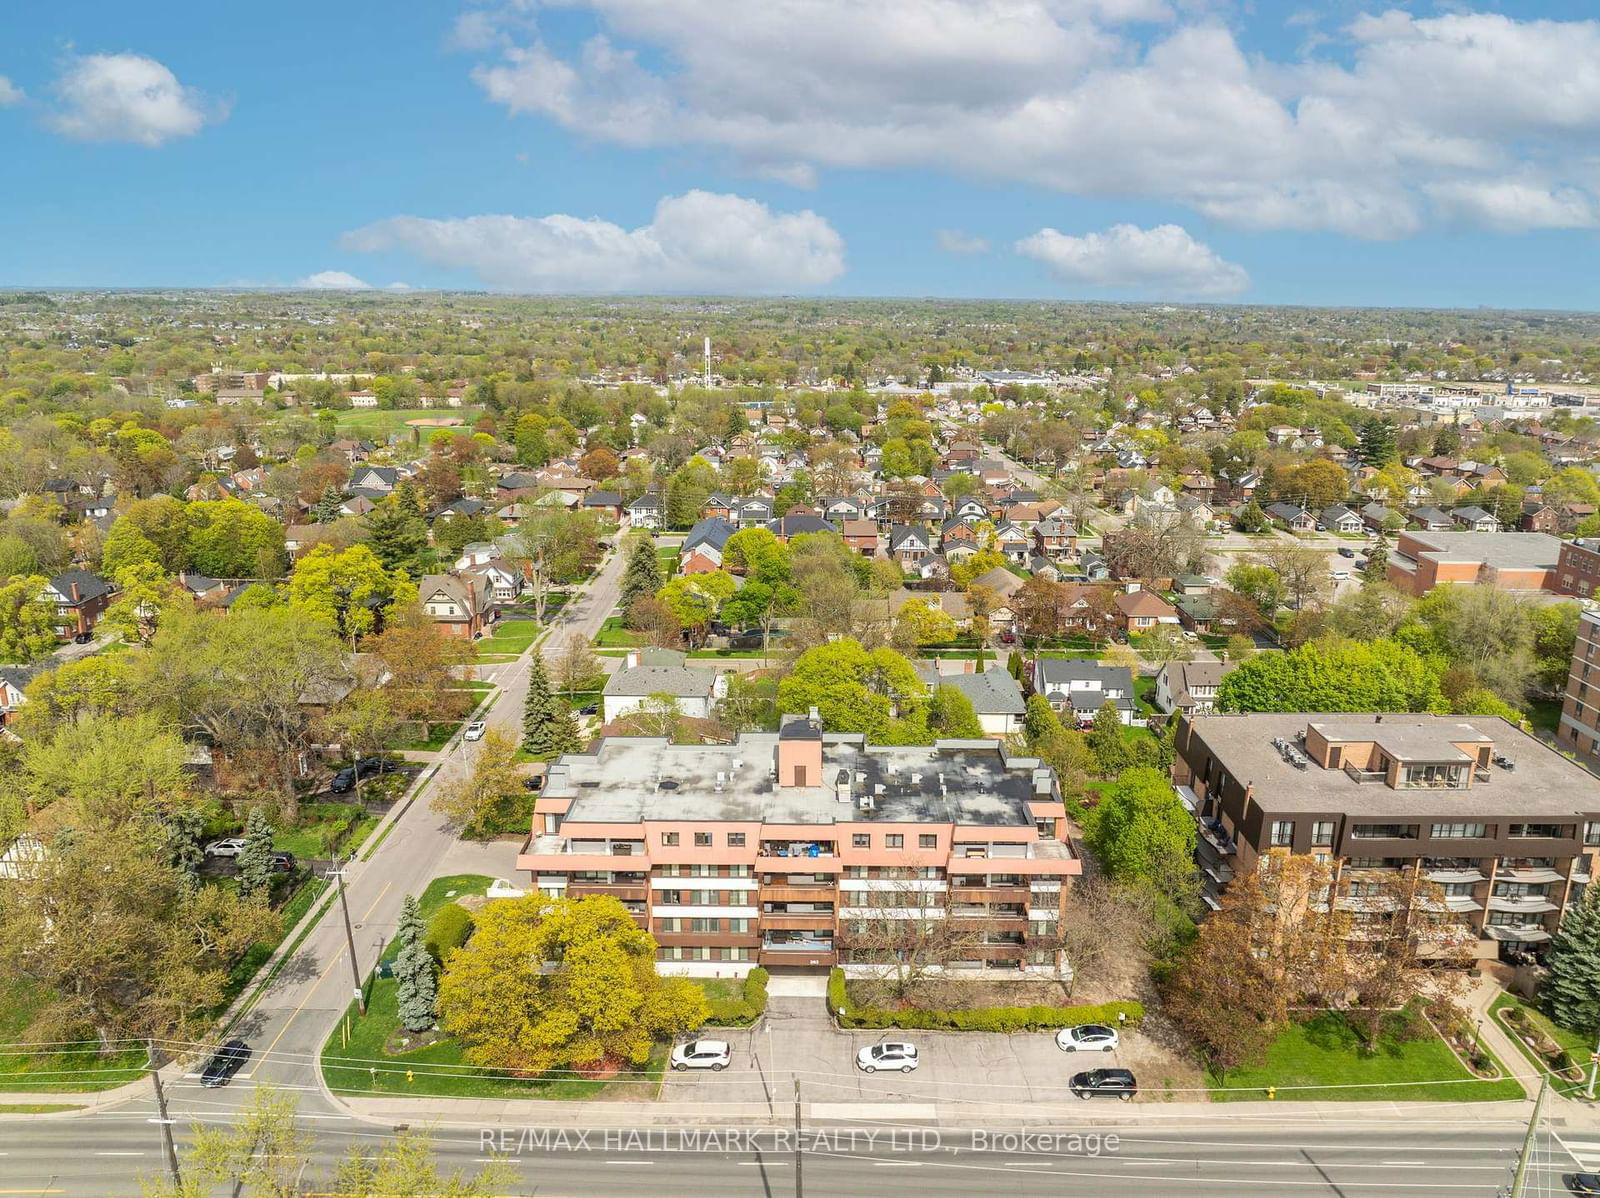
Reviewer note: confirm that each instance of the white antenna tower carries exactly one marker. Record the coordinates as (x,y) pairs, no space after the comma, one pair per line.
(706,377)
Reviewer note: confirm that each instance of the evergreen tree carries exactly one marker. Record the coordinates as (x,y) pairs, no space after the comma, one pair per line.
(327,509)
(1571,994)
(416,988)
(1375,444)
(547,727)
(1106,741)
(1447,442)
(255,858)
(1014,665)
(643,575)
(1377,567)
(397,535)
(1040,720)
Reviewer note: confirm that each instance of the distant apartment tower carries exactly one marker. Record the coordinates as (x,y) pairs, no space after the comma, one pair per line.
(1504,825)
(794,848)
(1579,727)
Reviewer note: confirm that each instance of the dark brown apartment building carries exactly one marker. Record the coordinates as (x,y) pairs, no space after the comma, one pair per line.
(1503,824)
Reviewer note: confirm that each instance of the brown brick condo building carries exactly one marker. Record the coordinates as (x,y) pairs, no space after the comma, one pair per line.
(1580,710)
(1503,824)
(793,848)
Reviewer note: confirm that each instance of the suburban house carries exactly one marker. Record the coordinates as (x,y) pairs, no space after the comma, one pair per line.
(703,546)
(1377,517)
(1339,518)
(80,599)
(607,504)
(1511,561)
(995,695)
(1191,686)
(647,672)
(1431,519)
(458,605)
(1140,611)
(502,583)
(909,544)
(1504,825)
(13,681)
(1475,519)
(773,850)
(1293,516)
(1083,686)
(646,512)
(861,535)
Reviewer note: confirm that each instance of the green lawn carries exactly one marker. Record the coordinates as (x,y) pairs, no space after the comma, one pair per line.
(614,635)
(438,737)
(477,689)
(729,989)
(354,1060)
(1577,1045)
(375,424)
(510,637)
(78,1068)
(668,557)
(1325,1051)
(325,829)
(1144,691)
(1545,715)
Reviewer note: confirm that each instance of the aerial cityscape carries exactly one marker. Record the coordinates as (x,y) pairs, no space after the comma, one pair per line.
(684,598)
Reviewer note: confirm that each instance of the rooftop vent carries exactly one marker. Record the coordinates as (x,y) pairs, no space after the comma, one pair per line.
(667,784)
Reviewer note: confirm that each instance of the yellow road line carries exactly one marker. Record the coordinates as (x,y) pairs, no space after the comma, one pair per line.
(265,1056)
(376,901)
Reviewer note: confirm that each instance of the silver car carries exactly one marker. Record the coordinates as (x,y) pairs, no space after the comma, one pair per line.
(887,1056)
(702,1054)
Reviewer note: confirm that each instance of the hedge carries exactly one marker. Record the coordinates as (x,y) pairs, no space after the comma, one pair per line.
(743,1011)
(979,1019)
(447,930)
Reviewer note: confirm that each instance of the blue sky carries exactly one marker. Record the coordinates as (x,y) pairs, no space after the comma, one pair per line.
(1330,153)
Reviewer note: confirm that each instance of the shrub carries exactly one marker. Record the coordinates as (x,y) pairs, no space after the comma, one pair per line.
(447,930)
(746,1009)
(1516,1015)
(980,1019)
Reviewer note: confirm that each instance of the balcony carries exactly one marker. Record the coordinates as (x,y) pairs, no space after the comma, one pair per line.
(802,849)
(630,892)
(1446,870)
(988,894)
(1527,871)
(1525,933)
(1531,903)
(792,892)
(796,921)
(1216,835)
(793,955)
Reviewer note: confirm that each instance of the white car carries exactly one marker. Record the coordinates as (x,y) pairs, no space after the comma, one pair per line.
(1338,575)
(475,730)
(887,1056)
(231,847)
(501,888)
(1087,1037)
(702,1054)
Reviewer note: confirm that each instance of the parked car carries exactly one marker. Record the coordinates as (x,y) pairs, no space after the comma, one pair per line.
(533,782)
(345,779)
(230,847)
(887,1056)
(702,1054)
(1087,1037)
(475,730)
(1345,551)
(1105,1083)
(1338,575)
(224,1063)
(502,888)
(281,863)
(1584,1183)
(589,709)
(1008,637)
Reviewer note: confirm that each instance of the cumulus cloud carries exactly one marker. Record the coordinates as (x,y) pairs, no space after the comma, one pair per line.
(10,93)
(1163,261)
(698,241)
(953,241)
(126,97)
(333,280)
(1113,98)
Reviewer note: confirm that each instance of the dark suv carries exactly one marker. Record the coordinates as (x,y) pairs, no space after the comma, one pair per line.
(1105,1083)
(224,1063)
(345,779)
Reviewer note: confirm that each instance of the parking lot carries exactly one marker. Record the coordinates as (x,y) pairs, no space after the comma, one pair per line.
(798,1038)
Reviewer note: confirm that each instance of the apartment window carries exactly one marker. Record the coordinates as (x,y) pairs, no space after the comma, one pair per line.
(1591,834)
(736,840)
(855,871)
(669,898)
(1458,889)
(927,841)
(1362,889)
(1322,833)
(1458,831)
(1521,890)
(669,839)
(894,840)
(702,840)
(738,925)
(1534,830)
(1383,832)
(861,840)
(1283,832)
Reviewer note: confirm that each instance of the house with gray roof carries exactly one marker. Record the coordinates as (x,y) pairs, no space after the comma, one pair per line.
(1079,687)
(994,694)
(647,672)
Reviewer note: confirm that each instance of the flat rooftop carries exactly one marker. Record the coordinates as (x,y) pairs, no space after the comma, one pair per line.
(632,779)
(1543,783)
(1503,550)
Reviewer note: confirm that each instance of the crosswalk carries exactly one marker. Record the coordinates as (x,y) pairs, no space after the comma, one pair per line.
(1585,1152)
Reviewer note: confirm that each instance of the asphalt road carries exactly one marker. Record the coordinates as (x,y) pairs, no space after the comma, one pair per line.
(106,1155)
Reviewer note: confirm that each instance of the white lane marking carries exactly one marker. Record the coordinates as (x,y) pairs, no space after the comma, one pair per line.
(628,1162)
(119,1154)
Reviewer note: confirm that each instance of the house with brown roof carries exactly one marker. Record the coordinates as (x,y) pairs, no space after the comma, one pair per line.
(460,606)
(1140,611)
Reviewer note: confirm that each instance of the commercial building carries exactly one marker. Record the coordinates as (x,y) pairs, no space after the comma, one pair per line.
(804,848)
(1510,561)
(1505,826)
(1578,568)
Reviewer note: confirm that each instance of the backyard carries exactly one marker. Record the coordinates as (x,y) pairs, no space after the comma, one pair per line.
(1323,1059)
(356,1059)
(78,1068)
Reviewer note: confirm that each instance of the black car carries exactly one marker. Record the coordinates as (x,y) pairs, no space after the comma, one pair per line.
(1584,1183)
(1105,1083)
(1347,552)
(533,782)
(224,1063)
(282,863)
(345,779)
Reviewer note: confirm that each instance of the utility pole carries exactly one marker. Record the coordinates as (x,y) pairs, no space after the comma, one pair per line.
(1519,1179)
(799,1153)
(1594,1064)
(162,1118)
(350,941)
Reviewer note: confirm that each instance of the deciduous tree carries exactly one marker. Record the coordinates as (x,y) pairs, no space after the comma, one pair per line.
(476,804)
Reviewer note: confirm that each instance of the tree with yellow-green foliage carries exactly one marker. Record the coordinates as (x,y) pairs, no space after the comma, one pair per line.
(349,590)
(562,983)
(27,622)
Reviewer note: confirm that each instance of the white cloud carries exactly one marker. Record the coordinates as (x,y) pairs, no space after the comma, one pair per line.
(1164,261)
(397,285)
(10,93)
(333,280)
(1510,205)
(953,241)
(126,97)
(1090,98)
(699,241)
